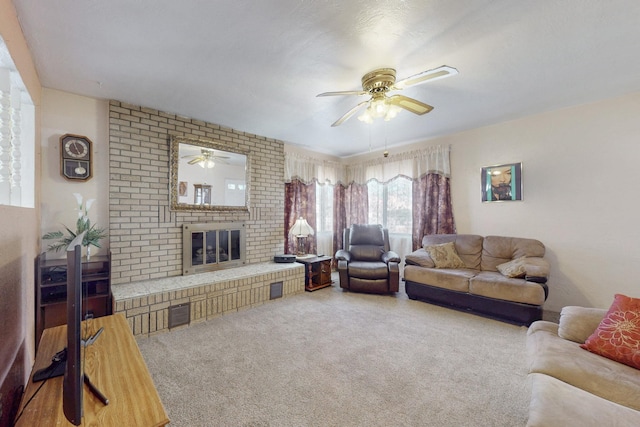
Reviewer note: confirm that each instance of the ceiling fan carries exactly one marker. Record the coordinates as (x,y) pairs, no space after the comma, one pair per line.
(378,82)
(205,159)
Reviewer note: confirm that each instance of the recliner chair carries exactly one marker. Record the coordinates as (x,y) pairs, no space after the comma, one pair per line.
(366,264)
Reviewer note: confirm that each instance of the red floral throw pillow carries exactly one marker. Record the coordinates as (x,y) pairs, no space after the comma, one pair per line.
(618,335)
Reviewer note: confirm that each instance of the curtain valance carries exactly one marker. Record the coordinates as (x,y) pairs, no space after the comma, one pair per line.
(308,169)
(412,164)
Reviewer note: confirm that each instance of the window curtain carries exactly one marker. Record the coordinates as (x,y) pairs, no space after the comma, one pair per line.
(299,201)
(411,164)
(432,213)
(339,216)
(432,210)
(301,170)
(356,201)
(350,206)
(308,170)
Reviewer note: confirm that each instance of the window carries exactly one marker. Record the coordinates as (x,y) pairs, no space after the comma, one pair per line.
(324,208)
(17,136)
(324,218)
(390,204)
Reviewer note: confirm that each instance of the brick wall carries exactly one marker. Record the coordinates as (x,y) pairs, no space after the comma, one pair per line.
(145,236)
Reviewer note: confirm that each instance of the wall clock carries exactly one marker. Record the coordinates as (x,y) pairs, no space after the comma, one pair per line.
(75,157)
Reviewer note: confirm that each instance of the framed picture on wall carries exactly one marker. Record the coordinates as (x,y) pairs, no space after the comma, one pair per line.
(501,183)
(182,189)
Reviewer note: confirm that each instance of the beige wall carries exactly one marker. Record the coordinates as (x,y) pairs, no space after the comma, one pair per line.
(580,178)
(19,229)
(62,113)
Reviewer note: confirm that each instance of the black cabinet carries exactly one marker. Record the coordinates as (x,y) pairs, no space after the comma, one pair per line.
(51,290)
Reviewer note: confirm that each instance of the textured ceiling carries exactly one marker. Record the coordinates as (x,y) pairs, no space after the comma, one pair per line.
(257,66)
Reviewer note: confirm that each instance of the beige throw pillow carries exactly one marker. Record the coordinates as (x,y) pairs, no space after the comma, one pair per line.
(445,255)
(513,268)
(419,257)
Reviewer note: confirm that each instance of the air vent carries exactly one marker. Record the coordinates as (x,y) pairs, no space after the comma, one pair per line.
(275,290)
(179,315)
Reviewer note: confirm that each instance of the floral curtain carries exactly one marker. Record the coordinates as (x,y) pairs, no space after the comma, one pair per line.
(299,201)
(339,216)
(350,206)
(432,212)
(356,201)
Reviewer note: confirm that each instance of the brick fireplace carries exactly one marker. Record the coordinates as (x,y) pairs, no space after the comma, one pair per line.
(145,235)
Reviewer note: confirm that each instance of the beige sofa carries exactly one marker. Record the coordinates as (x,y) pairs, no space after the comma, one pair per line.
(477,285)
(571,386)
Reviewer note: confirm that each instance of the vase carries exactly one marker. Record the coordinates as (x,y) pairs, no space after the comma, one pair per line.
(88,252)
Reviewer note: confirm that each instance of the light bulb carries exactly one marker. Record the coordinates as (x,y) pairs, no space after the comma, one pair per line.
(379,107)
(392,113)
(366,117)
(207,164)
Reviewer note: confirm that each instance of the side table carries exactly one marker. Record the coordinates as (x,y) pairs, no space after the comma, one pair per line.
(317,273)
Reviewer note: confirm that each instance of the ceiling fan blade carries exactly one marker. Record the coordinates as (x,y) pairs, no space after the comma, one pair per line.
(436,73)
(345,92)
(410,104)
(350,113)
(196,160)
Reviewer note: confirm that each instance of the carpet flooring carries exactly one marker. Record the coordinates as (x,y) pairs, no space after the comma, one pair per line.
(334,358)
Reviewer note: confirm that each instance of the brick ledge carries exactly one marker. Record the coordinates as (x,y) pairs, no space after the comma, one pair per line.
(146,303)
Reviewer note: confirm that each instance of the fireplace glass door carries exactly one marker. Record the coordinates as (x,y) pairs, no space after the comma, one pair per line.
(212,247)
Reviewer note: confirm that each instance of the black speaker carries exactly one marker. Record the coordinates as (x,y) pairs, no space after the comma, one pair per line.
(284,258)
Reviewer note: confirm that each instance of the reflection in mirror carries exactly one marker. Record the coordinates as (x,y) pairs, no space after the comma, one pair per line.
(208,176)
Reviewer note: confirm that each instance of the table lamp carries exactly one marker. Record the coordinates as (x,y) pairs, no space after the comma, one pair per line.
(301,229)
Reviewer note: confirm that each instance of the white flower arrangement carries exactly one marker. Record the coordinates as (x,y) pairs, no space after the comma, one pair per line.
(93,234)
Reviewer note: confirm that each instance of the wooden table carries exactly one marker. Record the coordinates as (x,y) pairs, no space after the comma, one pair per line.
(317,272)
(115,366)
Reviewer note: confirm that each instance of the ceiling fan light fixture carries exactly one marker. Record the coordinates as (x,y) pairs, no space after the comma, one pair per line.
(379,107)
(378,83)
(392,112)
(366,117)
(207,163)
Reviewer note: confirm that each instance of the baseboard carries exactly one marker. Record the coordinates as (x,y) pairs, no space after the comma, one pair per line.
(551,316)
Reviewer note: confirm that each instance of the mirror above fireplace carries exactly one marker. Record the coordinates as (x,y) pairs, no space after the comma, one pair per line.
(206,175)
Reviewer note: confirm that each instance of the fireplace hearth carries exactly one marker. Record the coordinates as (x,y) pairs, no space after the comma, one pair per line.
(212,246)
